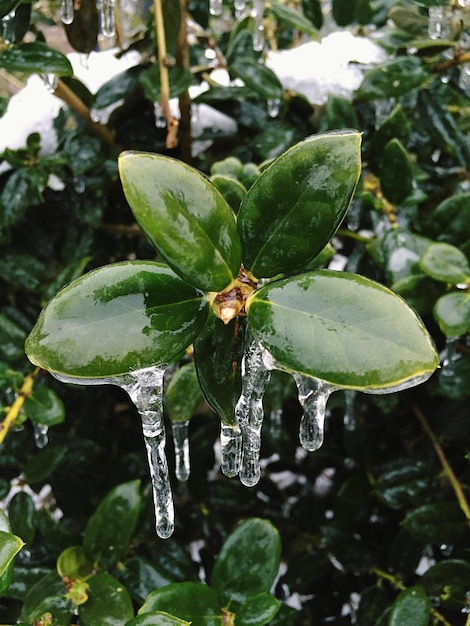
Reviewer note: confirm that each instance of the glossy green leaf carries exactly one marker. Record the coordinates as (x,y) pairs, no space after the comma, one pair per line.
(118,87)
(419,290)
(404,483)
(185,218)
(35,57)
(343,11)
(313,11)
(83,32)
(395,126)
(449,220)
(108,603)
(452,313)
(45,407)
(343,329)
(402,250)
(396,173)
(446,263)
(258,77)
(119,318)
(18,23)
(257,610)
(411,608)
(449,581)
(73,563)
(183,394)
(231,189)
(392,79)
(218,354)
(180,80)
(194,602)
(23,517)
(141,577)
(295,19)
(109,530)
(248,562)
(6,6)
(295,206)
(437,522)
(157,618)
(410,19)
(10,545)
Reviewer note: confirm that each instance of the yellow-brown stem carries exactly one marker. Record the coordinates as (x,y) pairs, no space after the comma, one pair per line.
(13,412)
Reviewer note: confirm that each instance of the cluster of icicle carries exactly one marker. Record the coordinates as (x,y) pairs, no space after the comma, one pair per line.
(254,8)
(105,12)
(240,443)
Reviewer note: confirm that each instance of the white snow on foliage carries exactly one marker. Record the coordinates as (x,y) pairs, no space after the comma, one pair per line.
(314,69)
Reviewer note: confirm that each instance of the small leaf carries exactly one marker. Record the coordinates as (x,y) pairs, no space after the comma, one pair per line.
(436,581)
(392,78)
(452,313)
(446,263)
(10,545)
(183,394)
(248,562)
(438,522)
(258,77)
(185,217)
(119,318)
(108,603)
(411,608)
(109,530)
(396,175)
(295,19)
(35,57)
(257,610)
(231,189)
(45,407)
(218,355)
(180,80)
(118,87)
(343,329)
(23,517)
(194,602)
(73,563)
(295,206)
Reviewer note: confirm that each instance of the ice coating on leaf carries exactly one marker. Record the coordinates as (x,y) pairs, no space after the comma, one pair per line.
(180,432)
(231,448)
(41,438)
(145,388)
(313,395)
(256,372)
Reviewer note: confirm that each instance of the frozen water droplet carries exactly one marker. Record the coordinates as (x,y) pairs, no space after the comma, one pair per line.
(66,11)
(160,121)
(181,443)
(107,18)
(8,28)
(215,7)
(258,39)
(349,419)
(231,446)
(240,8)
(50,82)
(273,107)
(275,423)
(145,388)
(79,183)
(313,396)
(249,410)
(40,435)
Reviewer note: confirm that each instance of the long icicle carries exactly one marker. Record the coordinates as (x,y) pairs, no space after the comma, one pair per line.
(313,395)
(249,410)
(145,388)
(180,432)
(231,448)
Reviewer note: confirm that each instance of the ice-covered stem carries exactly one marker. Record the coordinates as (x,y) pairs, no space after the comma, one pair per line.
(180,432)
(313,395)
(249,411)
(15,409)
(145,388)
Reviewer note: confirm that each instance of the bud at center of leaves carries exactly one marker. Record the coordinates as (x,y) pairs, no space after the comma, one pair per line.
(230,302)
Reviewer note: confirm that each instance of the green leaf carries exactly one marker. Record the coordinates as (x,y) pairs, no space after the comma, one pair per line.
(452,313)
(396,174)
(117,88)
(402,250)
(109,530)
(35,57)
(404,483)
(258,77)
(343,329)
(157,618)
(218,354)
(296,205)
(141,577)
(6,6)
(83,153)
(119,318)
(231,189)
(392,79)
(10,545)
(449,581)
(343,11)
(438,522)
(295,19)
(183,394)
(74,564)
(185,217)
(446,263)
(108,603)
(411,608)
(194,602)
(45,407)
(248,562)
(257,610)
(23,517)
(180,80)
(449,220)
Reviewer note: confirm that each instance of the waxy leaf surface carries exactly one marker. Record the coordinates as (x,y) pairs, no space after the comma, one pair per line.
(343,329)
(295,207)
(184,216)
(117,319)
(35,57)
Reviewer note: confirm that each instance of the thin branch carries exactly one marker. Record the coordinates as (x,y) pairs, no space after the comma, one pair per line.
(13,412)
(448,471)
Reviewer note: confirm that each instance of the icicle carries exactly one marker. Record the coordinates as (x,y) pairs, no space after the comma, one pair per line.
(8,28)
(79,183)
(181,443)
(50,82)
(107,17)
(215,7)
(240,8)
(449,357)
(313,396)
(145,388)
(258,39)
(349,419)
(160,121)
(275,423)
(66,11)
(40,435)
(256,373)
(231,446)
(273,107)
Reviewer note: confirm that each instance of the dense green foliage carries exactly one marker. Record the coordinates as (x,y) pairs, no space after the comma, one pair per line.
(373,527)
